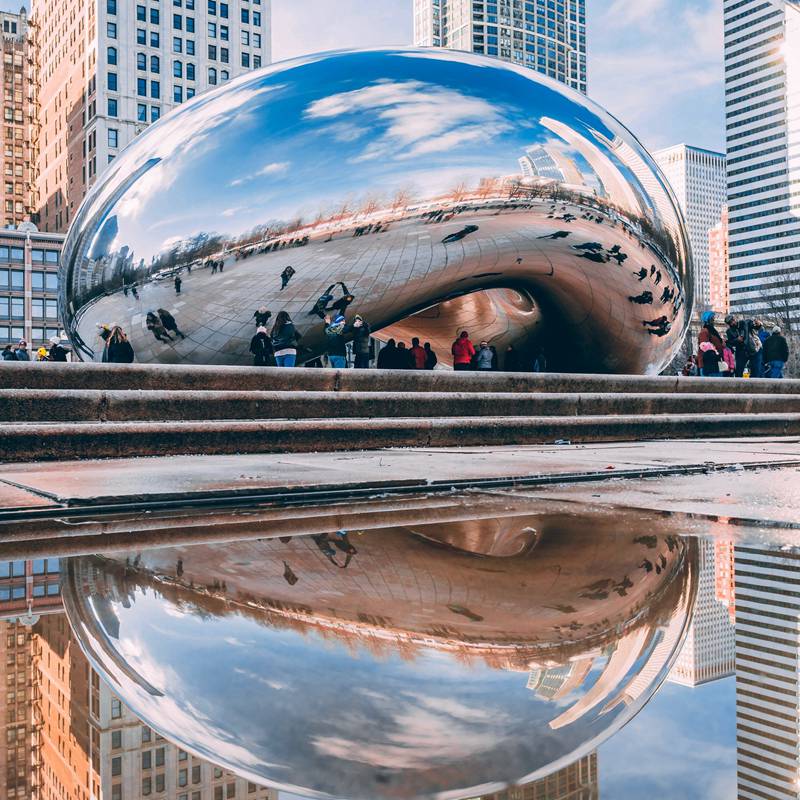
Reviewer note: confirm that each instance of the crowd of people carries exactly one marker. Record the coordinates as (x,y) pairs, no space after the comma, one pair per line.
(54,351)
(745,349)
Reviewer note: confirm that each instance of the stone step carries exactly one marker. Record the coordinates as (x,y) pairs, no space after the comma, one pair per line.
(75,405)
(43,441)
(216,378)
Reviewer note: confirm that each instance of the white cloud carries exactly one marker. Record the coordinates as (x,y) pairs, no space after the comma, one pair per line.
(275,168)
(419,118)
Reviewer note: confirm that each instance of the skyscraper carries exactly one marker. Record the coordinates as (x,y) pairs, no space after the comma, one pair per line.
(718,266)
(762,110)
(708,649)
(697,177)
(17,131)
(767,665)
(548,36)
(108,68)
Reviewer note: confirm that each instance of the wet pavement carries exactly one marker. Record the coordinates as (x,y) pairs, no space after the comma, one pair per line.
(497,643)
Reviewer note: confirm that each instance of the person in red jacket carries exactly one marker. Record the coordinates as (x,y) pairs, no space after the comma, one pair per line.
(463,352)
(418,353)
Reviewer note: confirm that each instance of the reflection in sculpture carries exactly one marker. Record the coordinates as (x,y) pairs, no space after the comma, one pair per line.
(432,191)
(390,663)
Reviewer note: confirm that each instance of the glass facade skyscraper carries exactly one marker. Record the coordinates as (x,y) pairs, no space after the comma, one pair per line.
(546,35)
(762,115)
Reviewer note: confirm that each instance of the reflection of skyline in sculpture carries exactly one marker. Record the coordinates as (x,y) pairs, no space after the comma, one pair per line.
(418,628)
(378,215)
(767,667)
(708,649)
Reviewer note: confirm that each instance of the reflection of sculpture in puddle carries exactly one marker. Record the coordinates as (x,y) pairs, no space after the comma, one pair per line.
(591,618)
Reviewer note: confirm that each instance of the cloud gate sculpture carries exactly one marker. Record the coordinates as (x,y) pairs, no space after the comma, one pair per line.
(394,663)
(429,191)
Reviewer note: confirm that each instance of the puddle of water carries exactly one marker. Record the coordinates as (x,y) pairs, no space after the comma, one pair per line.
(494,647)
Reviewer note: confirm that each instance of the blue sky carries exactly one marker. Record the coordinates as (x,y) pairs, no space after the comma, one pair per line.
(656,64)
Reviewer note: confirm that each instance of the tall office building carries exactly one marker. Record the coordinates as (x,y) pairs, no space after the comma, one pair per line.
(718,266)
(762,112)
(708,649)
(546,35)
(17,132)
(767,666)
(109,68)
(697,177)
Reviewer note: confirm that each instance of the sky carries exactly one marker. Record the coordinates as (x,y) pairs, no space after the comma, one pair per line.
(655,64)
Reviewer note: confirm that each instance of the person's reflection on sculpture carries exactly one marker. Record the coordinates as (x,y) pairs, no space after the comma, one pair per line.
(286,276)
(156,327)
(168,321)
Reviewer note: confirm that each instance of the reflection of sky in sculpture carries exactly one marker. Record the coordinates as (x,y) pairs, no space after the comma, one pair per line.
(290,164)
(439,133)
(312,710)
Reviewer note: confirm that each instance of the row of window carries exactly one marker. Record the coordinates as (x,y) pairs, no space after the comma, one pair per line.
(40,281)
(39,566)
(17,591)
(14,333)
(41,308)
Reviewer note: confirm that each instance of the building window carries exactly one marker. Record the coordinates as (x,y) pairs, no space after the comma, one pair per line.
(112,81)
(177,44)
(116,766)
(223,55)
(190,47)
(111,30)
(116,708)
(112,107)
(190,24)
(146,786)
(141,36)
(223,10)
(224,75)
(212,30)
(212,52)
(116,791)
(177,22)
(177,94)
(257,40)
(223,33)
(147,734)
(257,18)
(113,138)
(183,777)
(190,72)
(155,90)
(177,69)
(245,59)
(154,39)
(116,740)
(245,16)
(196,773)
(212,7)
(141,13)
(256,62)
(155,113)
(212,76)
(147,759)
(141,61)
(154,16)
(189,93)
(190,5)
(160,782)
(245,37)
(111,6)
(111,55)
(141,87)
(155,64)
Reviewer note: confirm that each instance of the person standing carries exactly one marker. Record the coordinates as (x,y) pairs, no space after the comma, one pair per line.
(405,358)
(387,357)
(361,342)
(168,321)
(57,351)
(431,360)
(284,340)
(8,353)
(261,348)
(511,363)
(484,358)
(418,354)
(539,360)
(710,347)
(776,354)
(178,283)
(463,352)
(755,351)
(286,276)
(261,315)
(735,340)
(118,348)
(21,353)
(155,326)
(336,343)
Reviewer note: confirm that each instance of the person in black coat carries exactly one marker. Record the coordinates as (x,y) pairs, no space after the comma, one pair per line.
(168,321)
(512,362)
(776,354)
(118,348)
(387,358)
(431,359)
(261,348)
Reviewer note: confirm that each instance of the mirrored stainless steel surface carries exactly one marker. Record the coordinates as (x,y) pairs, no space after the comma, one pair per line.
(459,189)
(448,661)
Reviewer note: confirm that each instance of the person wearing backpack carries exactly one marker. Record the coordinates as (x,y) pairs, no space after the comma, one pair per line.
(261,348)
(710,347)
(284,340)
